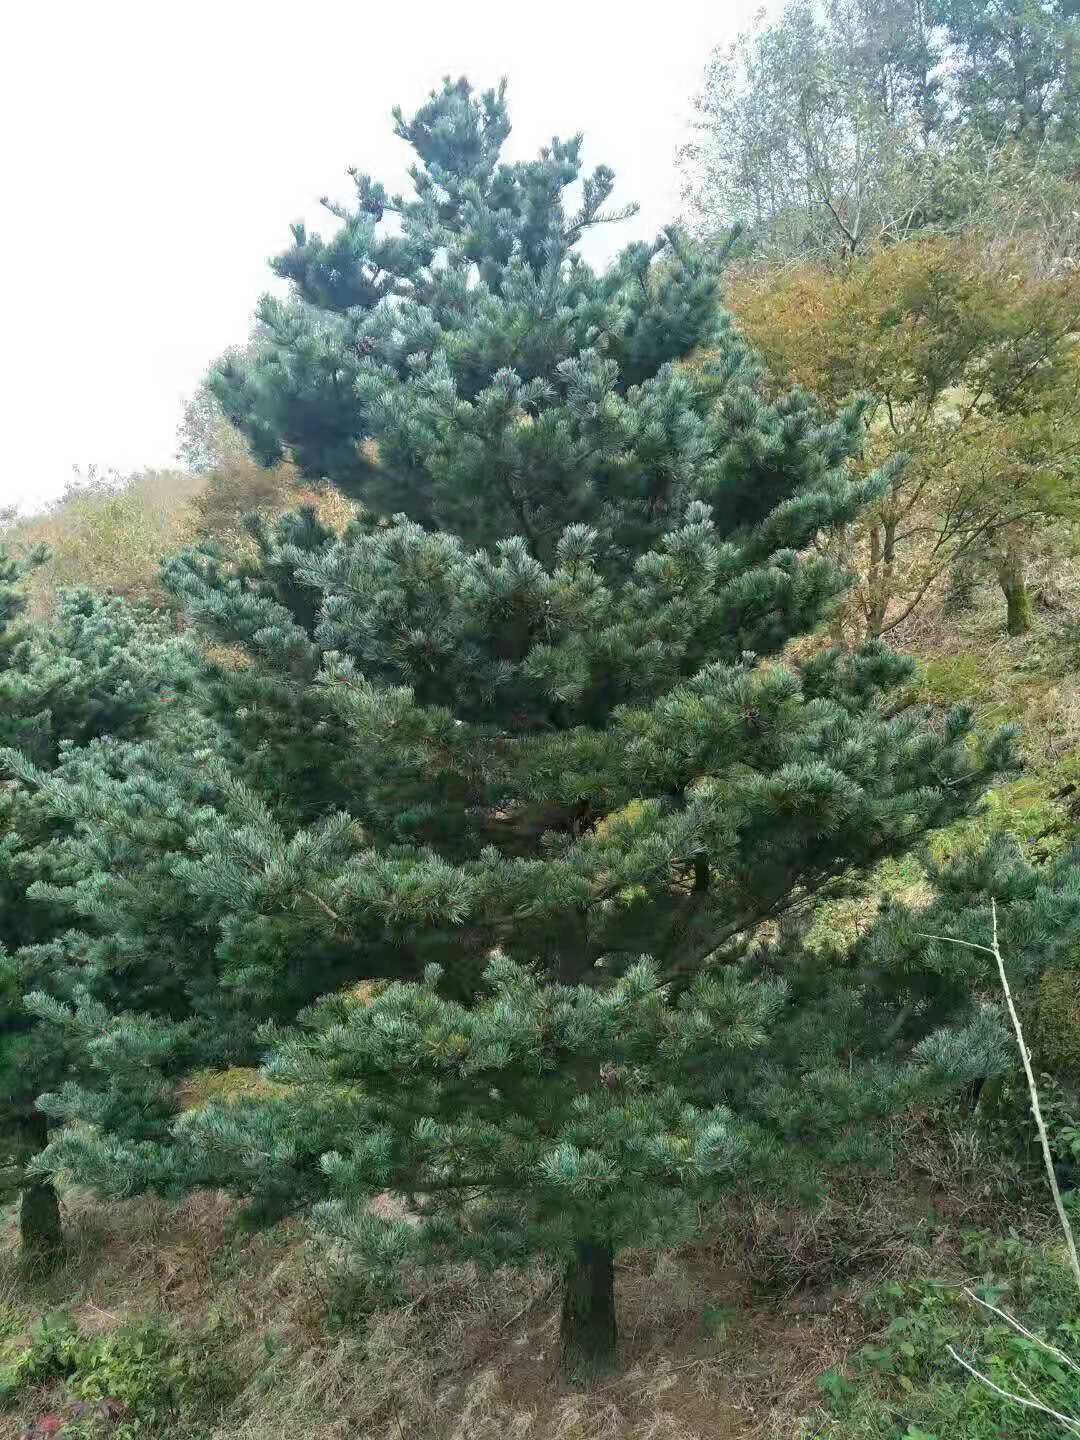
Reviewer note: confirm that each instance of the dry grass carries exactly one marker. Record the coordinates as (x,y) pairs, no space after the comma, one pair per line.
(722,1341)
(332,508)
(110,536)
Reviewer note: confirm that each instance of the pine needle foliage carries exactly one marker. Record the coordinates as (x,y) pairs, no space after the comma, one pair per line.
(924,958)
(530,718)
(101,669)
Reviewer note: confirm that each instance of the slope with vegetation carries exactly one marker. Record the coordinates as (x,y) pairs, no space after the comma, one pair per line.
(527,785)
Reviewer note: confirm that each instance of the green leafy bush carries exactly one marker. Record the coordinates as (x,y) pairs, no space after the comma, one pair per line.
(906,1383)
(146,1379)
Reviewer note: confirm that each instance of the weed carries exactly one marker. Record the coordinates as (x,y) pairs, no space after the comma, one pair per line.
(905,1383)
(143,1379)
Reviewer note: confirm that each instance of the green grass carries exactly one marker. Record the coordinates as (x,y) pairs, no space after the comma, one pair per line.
(906,1381)
(953,679)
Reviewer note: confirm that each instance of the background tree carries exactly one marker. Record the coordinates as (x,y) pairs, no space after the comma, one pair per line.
(137,933)
(813,131)
(205,440)
(539,713)
(1015,66)
(840,126)
(972,370)
(113,901)
(101,669)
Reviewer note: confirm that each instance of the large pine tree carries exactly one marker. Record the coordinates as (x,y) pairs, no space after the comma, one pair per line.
(529,720)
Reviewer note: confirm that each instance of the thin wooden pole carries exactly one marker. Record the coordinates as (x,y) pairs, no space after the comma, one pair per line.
(1036,1108)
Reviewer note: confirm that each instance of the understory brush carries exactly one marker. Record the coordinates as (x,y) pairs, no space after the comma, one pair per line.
(1014,1319)
(145,1378)
(209,1333)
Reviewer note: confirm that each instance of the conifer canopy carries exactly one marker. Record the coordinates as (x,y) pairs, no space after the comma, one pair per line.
(530,744)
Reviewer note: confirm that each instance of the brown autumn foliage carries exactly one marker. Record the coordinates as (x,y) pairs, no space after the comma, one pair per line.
(971,366)
(229,493)
(111,532)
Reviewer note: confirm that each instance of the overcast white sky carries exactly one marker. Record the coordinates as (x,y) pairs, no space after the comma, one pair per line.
(158,149)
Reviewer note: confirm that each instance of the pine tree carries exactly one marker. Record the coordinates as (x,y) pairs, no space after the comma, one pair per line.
(925,958)
(547,1121)
(99,669)
(525,739)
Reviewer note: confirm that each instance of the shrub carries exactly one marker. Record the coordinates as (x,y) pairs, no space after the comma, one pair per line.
(236,490)
(906,1384)
(145,1379)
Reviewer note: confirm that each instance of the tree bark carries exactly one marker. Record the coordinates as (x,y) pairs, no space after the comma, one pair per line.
(589,1334)
(840,550)
(881,574)
(1010,574)
(794,924)
(875,609)
(40,1231)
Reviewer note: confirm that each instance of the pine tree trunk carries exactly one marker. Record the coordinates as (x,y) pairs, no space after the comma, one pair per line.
(40,1231)
(794,925)
(840,551)
(1010,573)
(589,1334)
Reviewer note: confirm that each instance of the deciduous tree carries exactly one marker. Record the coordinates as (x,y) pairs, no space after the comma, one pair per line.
(971,367)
